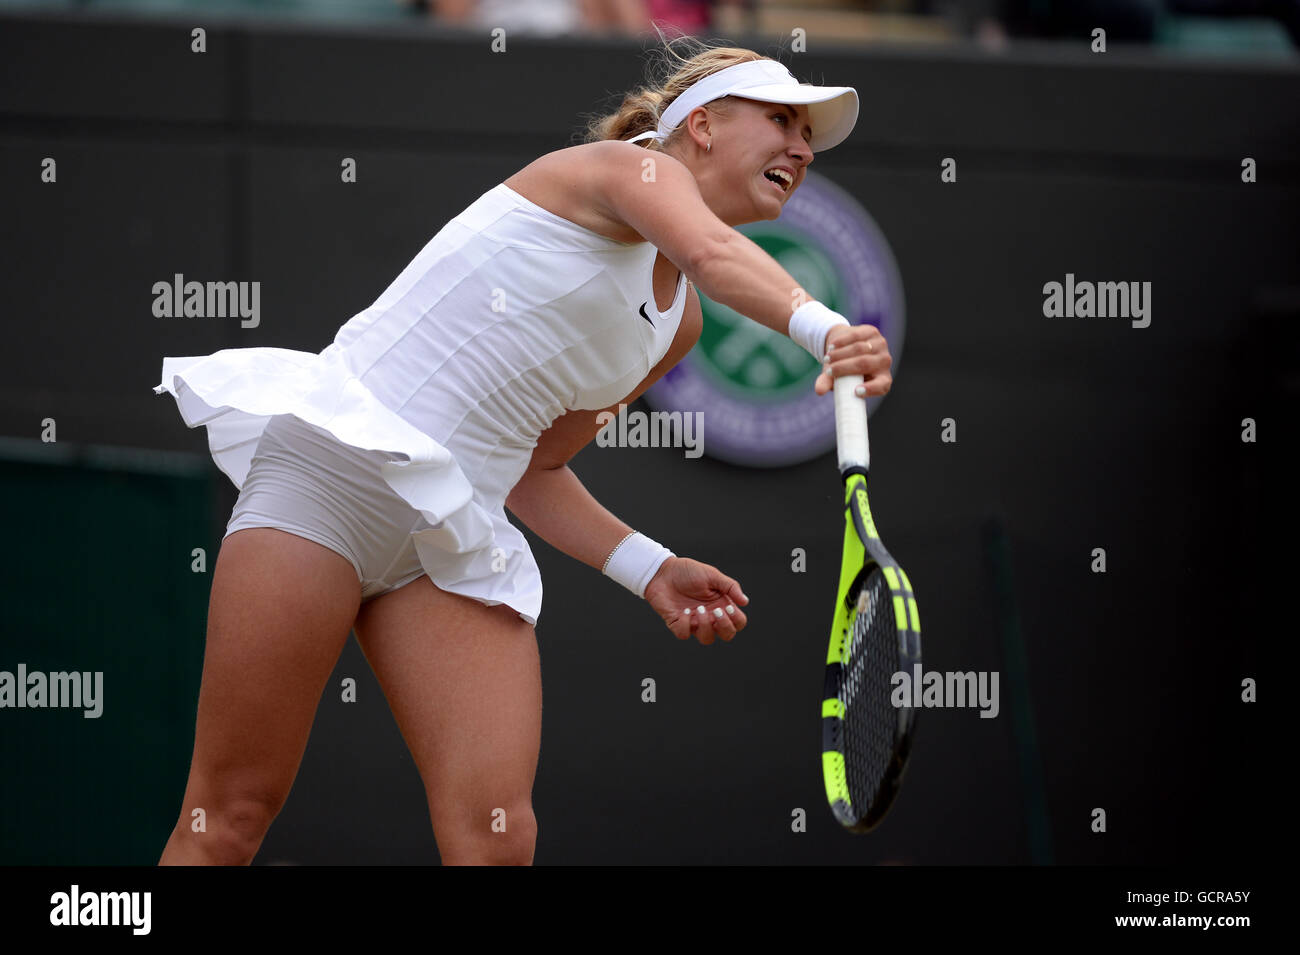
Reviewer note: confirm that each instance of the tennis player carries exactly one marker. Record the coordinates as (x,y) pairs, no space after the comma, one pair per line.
(374,476)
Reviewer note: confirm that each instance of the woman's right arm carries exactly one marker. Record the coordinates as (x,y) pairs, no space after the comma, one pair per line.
(669,213)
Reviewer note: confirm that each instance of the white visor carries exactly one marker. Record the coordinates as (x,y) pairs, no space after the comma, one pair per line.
(832,110)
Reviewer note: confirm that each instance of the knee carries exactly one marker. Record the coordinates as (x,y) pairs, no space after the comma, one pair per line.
(230,829)
(503,835)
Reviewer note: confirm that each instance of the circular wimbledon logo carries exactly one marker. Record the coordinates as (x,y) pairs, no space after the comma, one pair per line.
(755,386)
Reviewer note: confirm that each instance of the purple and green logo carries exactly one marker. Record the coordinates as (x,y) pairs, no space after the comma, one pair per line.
(755,385)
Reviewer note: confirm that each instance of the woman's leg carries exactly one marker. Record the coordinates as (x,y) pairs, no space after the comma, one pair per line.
(465,685)
(280,611)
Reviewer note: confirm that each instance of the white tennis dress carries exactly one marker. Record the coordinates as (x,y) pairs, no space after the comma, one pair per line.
(507,318)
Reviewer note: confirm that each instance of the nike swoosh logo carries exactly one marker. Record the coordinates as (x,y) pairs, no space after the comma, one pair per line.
(644,315)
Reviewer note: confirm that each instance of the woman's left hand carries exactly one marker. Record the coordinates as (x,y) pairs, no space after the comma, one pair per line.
(697,600)
(856,350)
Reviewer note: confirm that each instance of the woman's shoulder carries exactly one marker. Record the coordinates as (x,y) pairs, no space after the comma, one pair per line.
(568,183)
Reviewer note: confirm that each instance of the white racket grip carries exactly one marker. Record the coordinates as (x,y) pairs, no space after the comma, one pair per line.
(851,423)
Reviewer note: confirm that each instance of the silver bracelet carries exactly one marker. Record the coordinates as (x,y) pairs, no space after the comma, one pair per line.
(605,566)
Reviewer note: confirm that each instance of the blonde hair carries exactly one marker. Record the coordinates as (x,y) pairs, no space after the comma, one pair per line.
(670,74)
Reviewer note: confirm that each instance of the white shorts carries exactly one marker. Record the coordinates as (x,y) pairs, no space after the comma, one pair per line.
(305,481)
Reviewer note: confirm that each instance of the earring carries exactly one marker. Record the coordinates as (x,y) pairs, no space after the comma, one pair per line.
(708,146)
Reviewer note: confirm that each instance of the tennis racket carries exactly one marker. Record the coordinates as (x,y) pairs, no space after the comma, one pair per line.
(875,633)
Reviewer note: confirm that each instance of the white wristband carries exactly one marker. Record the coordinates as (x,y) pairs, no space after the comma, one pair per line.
(809,325)
(635,561)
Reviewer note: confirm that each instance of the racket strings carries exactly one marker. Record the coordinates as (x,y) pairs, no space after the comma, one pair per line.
(871,721)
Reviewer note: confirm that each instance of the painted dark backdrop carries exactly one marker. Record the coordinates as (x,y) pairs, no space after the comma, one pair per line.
(1072,434)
